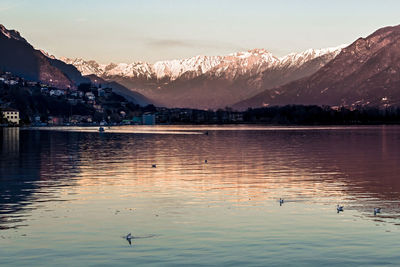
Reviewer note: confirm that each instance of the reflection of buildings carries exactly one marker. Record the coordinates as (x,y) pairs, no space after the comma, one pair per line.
(243,166)
(30,172)
(10,141)
(246,166)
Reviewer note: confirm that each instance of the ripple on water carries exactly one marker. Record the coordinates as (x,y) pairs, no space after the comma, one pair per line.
(61,190)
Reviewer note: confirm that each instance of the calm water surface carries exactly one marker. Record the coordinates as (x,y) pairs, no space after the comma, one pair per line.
(69,195)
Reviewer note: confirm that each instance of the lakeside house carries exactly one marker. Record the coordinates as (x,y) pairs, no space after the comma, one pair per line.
(57,92)
(55,120)
(90,96)
(12,115)
(148,119)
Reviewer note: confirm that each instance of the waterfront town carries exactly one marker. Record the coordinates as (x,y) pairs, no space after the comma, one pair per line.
(31,103)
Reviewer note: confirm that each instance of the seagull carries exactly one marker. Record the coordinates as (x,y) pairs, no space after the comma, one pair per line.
(377,210)
(339,208)
(154,166)
(281,201)
(128,238)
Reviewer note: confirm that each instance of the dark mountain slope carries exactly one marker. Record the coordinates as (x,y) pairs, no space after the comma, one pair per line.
(20,58)
(366,73)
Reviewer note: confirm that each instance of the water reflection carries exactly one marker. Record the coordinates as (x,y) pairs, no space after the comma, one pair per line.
(32,173)
(69,196)
(355,167)
(10,141)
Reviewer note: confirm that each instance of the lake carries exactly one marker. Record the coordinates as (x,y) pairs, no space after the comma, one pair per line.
(68,196)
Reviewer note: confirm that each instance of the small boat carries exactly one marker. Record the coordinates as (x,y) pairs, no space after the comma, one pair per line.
(101,129)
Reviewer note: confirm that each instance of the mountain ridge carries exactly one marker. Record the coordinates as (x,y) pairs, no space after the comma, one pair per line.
(367,72)
(173,69)
(209,81)
(19,57)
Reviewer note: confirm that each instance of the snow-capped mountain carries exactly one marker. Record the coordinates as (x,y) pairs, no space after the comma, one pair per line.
(209,81)
(298,59)
(256,60)
(365,73)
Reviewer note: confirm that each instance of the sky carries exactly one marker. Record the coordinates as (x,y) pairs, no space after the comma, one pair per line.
(150,30)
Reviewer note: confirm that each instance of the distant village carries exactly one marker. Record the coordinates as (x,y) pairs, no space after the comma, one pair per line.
(31,103)
(89,104)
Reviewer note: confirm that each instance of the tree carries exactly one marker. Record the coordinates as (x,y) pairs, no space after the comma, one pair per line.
(84,87)
(2,119)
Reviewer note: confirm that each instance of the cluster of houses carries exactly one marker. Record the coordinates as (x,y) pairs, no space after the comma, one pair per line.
(8,78)
(185,115)
(161,116)
(93,97)
(101,100)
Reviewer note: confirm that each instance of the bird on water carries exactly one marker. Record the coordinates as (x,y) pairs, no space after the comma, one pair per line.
(377,210)
(129,238)
(339,208)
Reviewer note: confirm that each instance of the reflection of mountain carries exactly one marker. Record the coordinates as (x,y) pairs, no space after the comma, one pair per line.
(355,166)
(28,172)
(328,161)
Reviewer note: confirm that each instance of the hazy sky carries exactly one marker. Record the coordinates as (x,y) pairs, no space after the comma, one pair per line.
(151,30)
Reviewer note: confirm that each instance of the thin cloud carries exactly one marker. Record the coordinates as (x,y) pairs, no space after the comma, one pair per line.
(163,43)
(9,5)
(169,42)
(81,20)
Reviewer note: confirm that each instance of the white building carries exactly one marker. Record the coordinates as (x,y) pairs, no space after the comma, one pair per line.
(10,82)
(56,92)
(90,96)
(12,115)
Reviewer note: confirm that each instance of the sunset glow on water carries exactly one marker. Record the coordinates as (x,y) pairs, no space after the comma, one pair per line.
(70,196)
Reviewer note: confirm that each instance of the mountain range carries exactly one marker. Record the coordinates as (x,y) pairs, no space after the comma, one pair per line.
(22,59)
(365,73)
(209,81)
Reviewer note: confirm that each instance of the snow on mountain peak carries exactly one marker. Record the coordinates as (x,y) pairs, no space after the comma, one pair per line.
(175,68)
(239,63)
(47,54)
(85,67)
(296,59)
